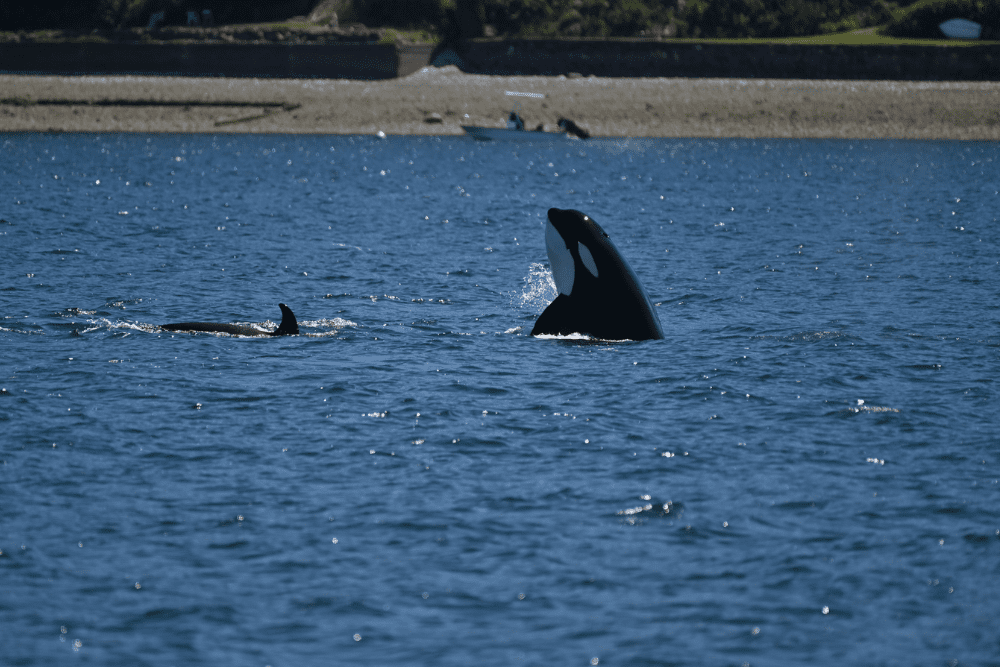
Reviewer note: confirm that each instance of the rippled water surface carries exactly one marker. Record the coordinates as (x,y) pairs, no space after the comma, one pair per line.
(805,471)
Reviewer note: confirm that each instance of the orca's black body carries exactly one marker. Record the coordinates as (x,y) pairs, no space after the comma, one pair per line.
(599,294)
(289,326)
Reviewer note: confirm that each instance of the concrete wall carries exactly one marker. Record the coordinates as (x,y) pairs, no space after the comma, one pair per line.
(329,61)
(777,61)
(524,57)
(412,58)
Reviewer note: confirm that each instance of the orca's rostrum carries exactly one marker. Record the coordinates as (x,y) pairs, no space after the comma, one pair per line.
(289,326)
(599,293)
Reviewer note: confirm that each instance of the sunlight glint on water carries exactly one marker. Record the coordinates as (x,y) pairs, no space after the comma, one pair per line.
(804,471)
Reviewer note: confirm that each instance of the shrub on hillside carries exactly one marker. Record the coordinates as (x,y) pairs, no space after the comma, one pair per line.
(778,18)
(40,14)
(577,18)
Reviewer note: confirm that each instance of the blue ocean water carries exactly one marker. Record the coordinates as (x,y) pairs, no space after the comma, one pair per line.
(804,471)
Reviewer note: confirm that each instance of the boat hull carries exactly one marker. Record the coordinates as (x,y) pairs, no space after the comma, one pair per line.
(505,134)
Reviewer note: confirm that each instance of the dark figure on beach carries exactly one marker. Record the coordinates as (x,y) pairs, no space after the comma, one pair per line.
(515,122)
(569,127)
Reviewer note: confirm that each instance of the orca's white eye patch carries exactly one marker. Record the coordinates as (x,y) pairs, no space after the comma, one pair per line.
(560,259)
(587,259)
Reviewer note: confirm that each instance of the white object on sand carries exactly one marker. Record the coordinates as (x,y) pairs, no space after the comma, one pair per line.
(961,29)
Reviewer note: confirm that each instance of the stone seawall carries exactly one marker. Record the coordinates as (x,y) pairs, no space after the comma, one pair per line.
(548,57)
(286,61)
(622,58)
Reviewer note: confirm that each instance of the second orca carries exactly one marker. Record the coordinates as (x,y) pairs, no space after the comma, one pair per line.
(599,293)
(289,326)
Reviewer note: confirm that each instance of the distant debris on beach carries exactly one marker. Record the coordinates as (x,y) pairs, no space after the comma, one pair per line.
(961,29)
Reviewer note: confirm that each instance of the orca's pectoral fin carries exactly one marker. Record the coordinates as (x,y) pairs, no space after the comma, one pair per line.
(559,318)
(289,325)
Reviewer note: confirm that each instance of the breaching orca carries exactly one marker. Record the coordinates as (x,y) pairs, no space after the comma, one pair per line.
(599,294)
(289,326)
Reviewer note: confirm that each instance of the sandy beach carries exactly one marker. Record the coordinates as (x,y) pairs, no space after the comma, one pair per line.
(438,101)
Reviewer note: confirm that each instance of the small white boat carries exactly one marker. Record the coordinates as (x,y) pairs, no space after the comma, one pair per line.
(507,134)
(515,129)
(961,29)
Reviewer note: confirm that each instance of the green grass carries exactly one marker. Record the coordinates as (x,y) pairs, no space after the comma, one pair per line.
(870,37)
(418,36)
(853,38)
(282,25)
(863,37)
(52,36)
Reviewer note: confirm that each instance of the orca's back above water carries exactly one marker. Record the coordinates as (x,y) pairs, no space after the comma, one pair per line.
(289,326)
(599,293)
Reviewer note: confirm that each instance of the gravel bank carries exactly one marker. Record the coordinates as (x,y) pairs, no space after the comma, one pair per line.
(448,98)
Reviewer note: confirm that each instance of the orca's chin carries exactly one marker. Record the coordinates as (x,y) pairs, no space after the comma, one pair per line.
(560,259)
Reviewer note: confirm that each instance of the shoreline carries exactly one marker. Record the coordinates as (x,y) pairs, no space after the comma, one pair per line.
(437,101)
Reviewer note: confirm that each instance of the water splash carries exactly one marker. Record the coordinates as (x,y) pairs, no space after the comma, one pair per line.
(571,336)
(539,288)
(619,146)
(324,327)
(100,323)
(316,328)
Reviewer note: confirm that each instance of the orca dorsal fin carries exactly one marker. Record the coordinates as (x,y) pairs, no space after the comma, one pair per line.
(289,325)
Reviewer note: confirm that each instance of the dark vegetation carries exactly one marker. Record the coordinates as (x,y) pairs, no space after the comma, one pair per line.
(117,14)
(452,19)
(683,18)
